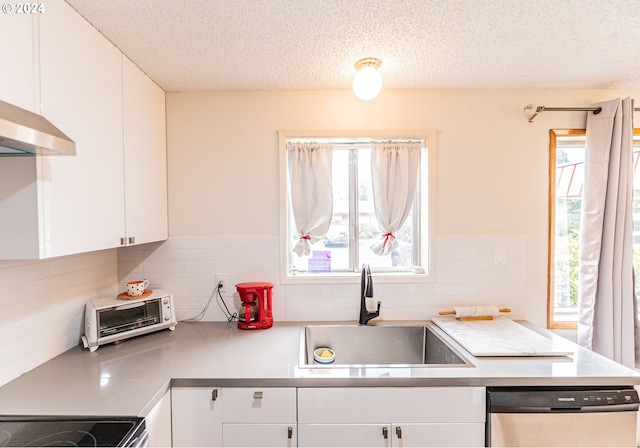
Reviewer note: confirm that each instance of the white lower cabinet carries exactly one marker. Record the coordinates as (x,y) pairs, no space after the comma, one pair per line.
(158,422)
(234,417)
(390,435)
(196,416)
(328,417)
(389,417)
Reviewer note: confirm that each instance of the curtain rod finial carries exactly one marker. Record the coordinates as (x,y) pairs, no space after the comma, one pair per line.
(531,111)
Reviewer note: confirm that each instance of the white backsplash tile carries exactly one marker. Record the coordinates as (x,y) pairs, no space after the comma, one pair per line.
(466,274)
(42,306)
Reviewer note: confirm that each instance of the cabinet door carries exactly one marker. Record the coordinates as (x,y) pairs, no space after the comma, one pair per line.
(196,416)
(81,93)
(18,56)
(256,434)
(347,435)
(145,156)
(158,422)
(437,434)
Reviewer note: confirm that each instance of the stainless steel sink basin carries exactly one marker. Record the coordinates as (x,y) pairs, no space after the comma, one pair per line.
(378,346)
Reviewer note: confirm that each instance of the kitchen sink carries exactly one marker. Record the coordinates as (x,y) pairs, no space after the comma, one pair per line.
(378,346)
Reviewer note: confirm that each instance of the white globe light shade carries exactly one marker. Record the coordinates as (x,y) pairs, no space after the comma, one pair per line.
(367,83)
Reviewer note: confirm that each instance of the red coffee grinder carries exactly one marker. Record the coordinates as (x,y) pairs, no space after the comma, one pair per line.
(256,312)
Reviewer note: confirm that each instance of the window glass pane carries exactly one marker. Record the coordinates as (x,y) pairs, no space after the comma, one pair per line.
(568,201)
(337,240)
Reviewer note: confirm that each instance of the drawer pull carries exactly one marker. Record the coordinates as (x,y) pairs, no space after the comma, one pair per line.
(399,432)
(257,395)
(289,432)
(385,432)
(214,394)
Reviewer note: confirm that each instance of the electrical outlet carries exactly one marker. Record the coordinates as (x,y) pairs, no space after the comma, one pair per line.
(222,278)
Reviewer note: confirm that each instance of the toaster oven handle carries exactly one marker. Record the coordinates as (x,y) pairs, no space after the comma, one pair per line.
(128,306)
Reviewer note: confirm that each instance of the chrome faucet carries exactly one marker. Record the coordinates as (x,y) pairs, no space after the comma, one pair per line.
(366,290)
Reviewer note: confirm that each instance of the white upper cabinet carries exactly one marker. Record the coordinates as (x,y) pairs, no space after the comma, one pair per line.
(18,55)
(81,92)
(113,192)
(145,157)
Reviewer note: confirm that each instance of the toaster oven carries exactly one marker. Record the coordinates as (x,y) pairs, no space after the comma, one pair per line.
(110,319)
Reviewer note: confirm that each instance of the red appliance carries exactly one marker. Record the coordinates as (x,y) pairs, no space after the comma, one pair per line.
(256,312)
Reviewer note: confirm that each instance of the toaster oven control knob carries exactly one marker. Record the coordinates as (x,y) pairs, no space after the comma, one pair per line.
(165,301)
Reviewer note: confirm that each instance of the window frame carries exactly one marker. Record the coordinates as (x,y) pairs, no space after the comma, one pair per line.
(427,199)
(553,139)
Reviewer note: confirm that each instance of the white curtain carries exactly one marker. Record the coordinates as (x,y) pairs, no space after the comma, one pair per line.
(394,173)
(607,306)
(310,192)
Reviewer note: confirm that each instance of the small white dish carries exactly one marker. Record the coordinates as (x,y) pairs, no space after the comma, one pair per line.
(320,359)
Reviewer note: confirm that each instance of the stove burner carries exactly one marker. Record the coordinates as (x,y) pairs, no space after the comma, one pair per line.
(66,438)
(52,431)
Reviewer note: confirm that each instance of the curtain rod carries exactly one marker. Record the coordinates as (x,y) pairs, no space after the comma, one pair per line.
(532,110)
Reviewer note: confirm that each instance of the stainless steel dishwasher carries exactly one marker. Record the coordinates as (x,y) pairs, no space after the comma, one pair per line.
(569,416)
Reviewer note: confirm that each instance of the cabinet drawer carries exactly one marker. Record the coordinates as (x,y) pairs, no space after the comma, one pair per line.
(259,434)
(391,404)
(259,405)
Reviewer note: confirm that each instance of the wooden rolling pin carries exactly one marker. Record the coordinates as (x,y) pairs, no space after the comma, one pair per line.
(475,312)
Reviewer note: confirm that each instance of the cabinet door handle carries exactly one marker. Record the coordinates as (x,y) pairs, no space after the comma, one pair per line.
(289,432)
(257,395)
(123,241)
(399,432)
(385,432)
(132,240)
(214,394)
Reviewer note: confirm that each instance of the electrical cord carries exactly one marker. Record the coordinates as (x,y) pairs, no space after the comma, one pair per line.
(231,316)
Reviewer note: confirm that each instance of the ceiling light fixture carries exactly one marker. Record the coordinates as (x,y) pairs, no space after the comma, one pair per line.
(367,83)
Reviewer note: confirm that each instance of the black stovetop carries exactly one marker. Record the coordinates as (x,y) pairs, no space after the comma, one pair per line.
(70,431)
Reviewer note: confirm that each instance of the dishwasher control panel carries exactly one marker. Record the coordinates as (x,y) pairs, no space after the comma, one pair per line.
(541,399)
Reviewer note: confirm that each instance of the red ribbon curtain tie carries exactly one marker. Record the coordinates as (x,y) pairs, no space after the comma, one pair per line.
(386,238)
(305,237)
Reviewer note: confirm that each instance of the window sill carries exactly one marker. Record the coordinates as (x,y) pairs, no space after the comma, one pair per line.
(354,277)
(562,325)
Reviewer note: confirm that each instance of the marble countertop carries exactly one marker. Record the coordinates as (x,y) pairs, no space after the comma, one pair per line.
(131,377)
(501,337)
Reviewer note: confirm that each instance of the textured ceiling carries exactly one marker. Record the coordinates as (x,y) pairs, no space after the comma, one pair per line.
(249,45)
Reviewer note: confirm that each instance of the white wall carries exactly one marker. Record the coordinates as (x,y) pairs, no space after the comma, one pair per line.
(42,306)
(492,163)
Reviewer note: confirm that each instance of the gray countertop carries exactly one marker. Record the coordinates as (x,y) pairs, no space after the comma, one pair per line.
(130,378)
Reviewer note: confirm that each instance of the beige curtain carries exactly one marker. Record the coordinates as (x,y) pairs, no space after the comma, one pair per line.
(394,174)
(607,306)
(310,192)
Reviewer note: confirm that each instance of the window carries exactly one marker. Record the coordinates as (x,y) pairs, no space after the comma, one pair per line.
(566,173)
(353,225)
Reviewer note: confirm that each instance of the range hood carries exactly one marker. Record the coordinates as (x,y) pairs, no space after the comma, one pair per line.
(24,133)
